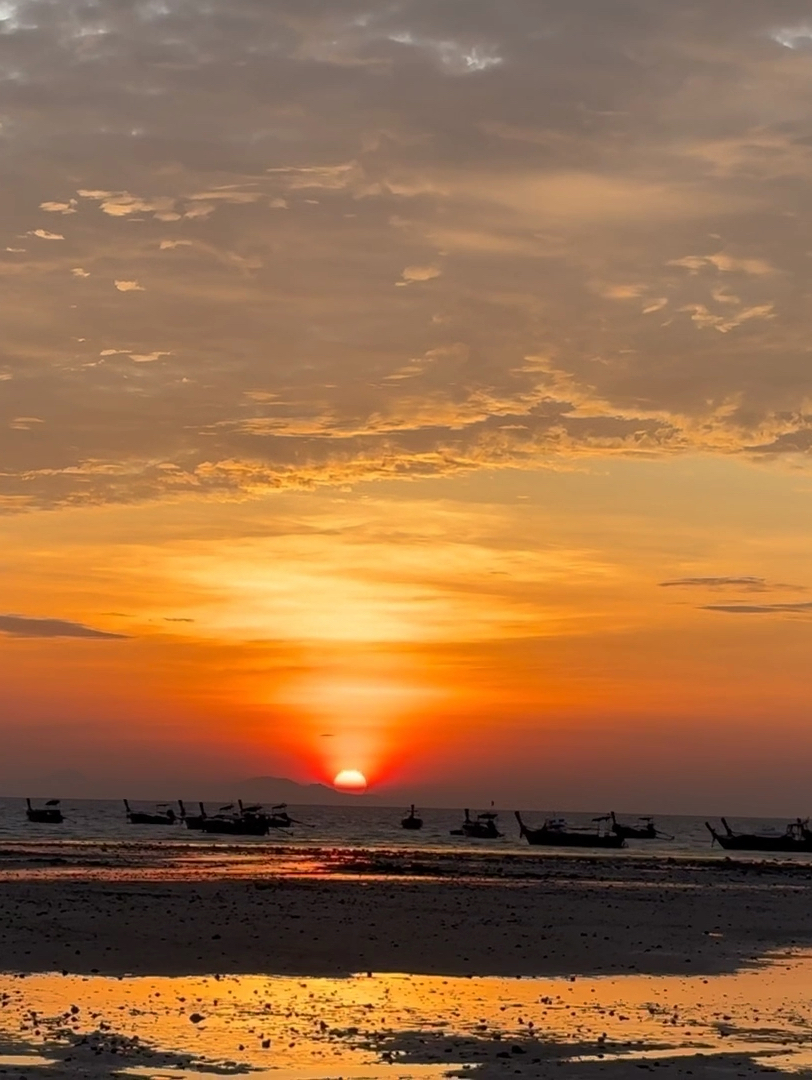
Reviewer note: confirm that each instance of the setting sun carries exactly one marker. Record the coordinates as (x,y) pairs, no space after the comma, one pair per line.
(350,780)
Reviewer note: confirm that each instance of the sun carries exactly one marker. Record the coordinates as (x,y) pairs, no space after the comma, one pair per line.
(350,780)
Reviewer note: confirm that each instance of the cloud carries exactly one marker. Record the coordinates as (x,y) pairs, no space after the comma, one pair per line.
(724,263)
(24,423)
(59,207)
(122,204)
(455,56)
(641,227)
(793,37)
(750,584)
(419,273)
(43,234)
(761,609)
(744,583)
(147,358)
(25,627)
(724,323)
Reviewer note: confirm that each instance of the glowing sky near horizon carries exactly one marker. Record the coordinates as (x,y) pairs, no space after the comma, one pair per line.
(421,389)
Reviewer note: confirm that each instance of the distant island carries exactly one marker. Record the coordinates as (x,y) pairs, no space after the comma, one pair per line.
(277,789)
(72,784)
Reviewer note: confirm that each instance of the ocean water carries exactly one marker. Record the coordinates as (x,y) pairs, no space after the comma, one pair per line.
(354,828)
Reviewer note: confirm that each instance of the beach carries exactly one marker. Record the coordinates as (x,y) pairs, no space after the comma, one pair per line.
(578,916)
(360,964)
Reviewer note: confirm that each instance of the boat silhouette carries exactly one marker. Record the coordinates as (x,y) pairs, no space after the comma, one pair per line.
(49,814)
(482,827)
(192,821)
(163,815)
(556,833)
(412,821)
(796,837)
(278,818)
(229,821)
(646,831)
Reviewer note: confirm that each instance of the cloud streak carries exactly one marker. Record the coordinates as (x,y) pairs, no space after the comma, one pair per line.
(747,584)
(801,608)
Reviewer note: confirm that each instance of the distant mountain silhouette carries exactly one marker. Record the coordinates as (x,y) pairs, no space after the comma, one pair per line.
(274,789)
(73,784)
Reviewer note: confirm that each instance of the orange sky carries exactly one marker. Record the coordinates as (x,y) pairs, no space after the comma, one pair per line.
(500,633)
(420,389)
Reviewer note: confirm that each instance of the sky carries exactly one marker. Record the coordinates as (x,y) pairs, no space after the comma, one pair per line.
(418,387)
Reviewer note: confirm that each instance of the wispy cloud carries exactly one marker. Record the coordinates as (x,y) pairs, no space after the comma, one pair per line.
(749,584)
(743,583)
(762,609)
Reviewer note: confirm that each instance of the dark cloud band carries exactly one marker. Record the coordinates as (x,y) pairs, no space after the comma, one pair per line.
(24,627)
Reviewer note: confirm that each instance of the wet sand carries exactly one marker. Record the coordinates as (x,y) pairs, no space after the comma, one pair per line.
(572,917)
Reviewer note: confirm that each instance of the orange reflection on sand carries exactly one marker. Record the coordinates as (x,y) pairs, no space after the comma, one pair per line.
(353,1025)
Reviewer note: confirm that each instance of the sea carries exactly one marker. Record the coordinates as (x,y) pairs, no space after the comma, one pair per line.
(337,835)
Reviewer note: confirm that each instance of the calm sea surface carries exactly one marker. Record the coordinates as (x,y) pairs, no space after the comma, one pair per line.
(351,827)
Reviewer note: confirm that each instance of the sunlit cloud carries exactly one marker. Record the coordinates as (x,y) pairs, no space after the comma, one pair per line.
(419,273)
(148,358)
(452,55)
(59,207)
(501,230)
(793,37)
(24,423)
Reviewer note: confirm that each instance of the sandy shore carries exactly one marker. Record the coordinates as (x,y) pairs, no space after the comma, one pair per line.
(580,917)
(446,917)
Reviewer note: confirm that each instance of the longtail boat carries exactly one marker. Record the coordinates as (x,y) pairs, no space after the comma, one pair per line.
(228,823)
(278,818)
(647,830)
(50,814)
(192,821)
(555,833)
(412,821)
(795,838)
(482,827)
(164,815)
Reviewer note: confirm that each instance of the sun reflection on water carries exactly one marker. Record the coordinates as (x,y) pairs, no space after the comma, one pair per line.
(360,1026)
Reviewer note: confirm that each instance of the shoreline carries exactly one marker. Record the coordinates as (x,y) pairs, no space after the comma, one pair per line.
(194,860)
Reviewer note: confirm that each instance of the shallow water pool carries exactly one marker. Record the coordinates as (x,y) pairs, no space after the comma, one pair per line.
(370,1026)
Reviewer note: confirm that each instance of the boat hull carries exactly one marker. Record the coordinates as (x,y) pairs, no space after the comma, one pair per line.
(629,832)
(797,839)
(234,828)
(762,843)
(45,817)
(556,835)
(552,838)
